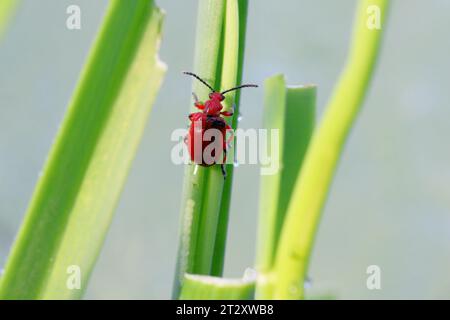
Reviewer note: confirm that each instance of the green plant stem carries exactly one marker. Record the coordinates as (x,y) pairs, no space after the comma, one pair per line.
(322,157)
(291,111)
(221,235)
(207,63)
(74,200)
(206,197)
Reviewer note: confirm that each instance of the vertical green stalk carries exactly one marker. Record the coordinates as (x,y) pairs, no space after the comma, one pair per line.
(290,111)
(207,61)
(204,211)
(313,183)
(232,97)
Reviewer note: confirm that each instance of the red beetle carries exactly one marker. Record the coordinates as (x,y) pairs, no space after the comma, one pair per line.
(210,117)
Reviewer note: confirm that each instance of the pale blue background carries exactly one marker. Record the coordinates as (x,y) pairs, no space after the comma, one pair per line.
(389,204)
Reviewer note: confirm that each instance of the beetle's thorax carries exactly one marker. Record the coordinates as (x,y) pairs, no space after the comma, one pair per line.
(213,106)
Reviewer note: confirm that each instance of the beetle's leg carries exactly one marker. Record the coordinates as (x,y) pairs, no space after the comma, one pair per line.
(197,103)
(222,165)
(195,97)
(224,172)
(228,113)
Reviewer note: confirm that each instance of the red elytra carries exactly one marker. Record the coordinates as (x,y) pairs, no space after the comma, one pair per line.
(210,117)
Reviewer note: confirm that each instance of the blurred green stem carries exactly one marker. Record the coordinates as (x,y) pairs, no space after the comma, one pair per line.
(313,183)
(7,9)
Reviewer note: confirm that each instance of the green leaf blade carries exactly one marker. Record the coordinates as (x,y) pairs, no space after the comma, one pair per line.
(291,111)
(73,203)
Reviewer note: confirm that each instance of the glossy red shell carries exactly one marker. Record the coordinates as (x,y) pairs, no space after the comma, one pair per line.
(200,123)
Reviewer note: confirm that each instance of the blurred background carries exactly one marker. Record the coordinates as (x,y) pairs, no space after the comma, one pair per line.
(389,204)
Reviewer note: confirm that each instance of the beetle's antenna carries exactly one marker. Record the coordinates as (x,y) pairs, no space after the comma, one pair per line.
(199,79)
(240,87)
